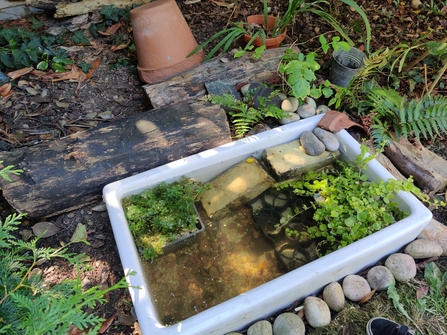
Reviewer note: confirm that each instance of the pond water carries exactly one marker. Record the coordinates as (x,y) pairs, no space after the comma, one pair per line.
(233,255)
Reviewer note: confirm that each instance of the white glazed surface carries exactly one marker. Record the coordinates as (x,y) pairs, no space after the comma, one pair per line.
(266,299)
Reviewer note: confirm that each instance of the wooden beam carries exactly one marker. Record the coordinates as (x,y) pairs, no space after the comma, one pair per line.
(190,84)
(67,173)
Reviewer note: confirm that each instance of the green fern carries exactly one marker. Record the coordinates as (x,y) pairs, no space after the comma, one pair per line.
(243,115)
(425,117)
(28,305)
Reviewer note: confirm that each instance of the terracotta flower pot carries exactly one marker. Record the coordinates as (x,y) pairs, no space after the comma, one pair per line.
(270,43)
(163,40)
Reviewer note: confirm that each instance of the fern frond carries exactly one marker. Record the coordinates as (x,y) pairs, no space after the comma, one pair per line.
(379,134)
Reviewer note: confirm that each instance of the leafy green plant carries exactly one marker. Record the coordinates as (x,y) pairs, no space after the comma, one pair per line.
(162,214)
(244,115)
(436,301)
(29,305)
(57,63)
(299,71)
(349,207)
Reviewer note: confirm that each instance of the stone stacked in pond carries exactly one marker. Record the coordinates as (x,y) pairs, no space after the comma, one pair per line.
(290,160)
(235,187)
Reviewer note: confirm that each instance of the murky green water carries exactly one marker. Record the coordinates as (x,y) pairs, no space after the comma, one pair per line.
(229,258)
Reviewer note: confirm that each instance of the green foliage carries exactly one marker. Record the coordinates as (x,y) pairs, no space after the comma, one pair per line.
(57,63)
(299,70)
(349,207)
(436,301)
(79,38)
(29,305)
(425,117)
(113,14)
(162,214)
(19,48)
(243,113)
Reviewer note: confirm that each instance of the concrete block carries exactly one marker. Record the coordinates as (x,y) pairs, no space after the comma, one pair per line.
(235,187)
(290,161)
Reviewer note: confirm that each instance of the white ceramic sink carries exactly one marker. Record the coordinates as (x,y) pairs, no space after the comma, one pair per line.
(266,299)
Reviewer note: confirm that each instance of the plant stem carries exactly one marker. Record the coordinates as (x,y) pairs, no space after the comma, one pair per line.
(420,58)
(438,77)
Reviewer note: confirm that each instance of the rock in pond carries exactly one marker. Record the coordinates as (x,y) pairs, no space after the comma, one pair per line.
(260,328)
(306,111)
(380,277)
(311,144)
(355,287)
(402,266)
(288,324)
(316,312)
(422,248)
(333,296)
(329,140)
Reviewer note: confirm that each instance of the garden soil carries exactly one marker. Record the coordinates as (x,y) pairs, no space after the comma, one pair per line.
(40,110)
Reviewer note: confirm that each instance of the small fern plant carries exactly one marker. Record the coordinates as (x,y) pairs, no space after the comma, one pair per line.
(29,305)
(425,117)
(243,114)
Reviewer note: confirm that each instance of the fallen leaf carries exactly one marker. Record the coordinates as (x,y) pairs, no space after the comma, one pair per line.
(95,64)
(118,47)
(111,30)
(18,73)
(421,292)
(5,89)
(367,297)
(80,234)
(106,324)
(190,2)
(61,104)
(31,91)
(222,4)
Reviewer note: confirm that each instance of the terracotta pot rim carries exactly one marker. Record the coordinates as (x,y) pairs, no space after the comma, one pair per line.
(272,42)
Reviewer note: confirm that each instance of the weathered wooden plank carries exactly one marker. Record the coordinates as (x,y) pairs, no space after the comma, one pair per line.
(190,84)
(64,9)
(63,174)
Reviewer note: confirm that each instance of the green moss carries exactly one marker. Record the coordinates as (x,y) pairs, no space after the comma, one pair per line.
(162,214)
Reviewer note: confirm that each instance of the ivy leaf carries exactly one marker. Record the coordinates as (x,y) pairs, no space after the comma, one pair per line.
(20,57)
(5,59)
(79,38)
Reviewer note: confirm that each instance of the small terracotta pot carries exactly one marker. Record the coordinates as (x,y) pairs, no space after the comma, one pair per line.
(270,43)
(163,40)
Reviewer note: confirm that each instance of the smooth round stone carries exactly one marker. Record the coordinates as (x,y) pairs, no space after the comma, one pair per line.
(380,278)
(290,105)
(306,111)
(310,101)
(316,312)
(311,144)
(355,287)
(402,266)
(260,328)
(322,109)
(333,296)
(329,140)
(292,117)
(288,324)
(245,89)
(422,248)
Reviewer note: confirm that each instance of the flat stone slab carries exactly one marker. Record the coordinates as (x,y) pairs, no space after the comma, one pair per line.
(235,187)
(290,161)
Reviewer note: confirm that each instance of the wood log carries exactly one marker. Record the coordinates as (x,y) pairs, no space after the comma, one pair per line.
(190,83)
(64,9)
(425,177)
(67,173)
